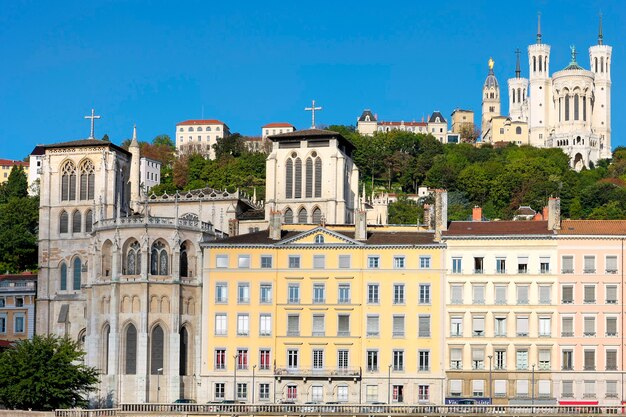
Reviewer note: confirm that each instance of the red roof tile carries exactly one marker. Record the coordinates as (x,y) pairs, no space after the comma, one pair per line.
(279,124)
(11,162)
(201,122)
(593,227)
(497,228)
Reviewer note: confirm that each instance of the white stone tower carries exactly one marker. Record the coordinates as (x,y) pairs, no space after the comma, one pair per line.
(540,91)
(518,94)
(600,64)
(491,102)
(135,193)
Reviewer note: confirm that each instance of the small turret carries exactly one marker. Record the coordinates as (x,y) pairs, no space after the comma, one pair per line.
(135,192)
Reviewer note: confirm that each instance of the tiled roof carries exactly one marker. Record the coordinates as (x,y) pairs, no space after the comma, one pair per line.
(525,211)
(367,112)
(25,276)
(38,150)
(279,124)
(85,143)
(11,162)
(312,134)
(433,118)
(200,122)
(497,228)
(252,215)
(593,227)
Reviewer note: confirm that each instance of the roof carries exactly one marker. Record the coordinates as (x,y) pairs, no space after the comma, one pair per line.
(433,118)
(85,143)
(573,66)
(38,150)
(201,122)
(24,276)
(593,227)
(11,162)
(367,112)
(257,214)
(374,238)
(525,211)
(312,134)
(491,81)
(402,123)
(279,124)
(497,228)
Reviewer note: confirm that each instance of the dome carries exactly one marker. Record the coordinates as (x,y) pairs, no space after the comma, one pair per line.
(491,81)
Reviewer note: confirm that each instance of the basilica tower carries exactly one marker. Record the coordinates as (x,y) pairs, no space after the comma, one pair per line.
(600,64)
(540,91)
(491,102)
(518,94)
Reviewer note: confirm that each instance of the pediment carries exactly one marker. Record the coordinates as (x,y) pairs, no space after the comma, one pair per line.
(312,237)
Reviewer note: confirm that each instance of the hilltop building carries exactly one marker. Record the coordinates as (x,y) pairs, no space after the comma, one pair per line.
(199,136)
(437,125)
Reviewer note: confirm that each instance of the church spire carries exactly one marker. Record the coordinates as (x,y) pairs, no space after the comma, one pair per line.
(539,28)
(600,31)
(518,71)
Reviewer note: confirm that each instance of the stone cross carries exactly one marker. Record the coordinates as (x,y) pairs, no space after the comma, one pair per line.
(312,110)
(92,117)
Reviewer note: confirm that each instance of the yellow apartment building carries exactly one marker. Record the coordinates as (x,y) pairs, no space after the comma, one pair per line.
(324,314)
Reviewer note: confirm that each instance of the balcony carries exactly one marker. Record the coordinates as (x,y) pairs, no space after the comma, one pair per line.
(589,271)
(589,334)
(567,334)
(318,372)
(611,271)
(567,271)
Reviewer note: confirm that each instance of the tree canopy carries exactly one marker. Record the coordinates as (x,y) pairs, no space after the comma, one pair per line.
(45,373)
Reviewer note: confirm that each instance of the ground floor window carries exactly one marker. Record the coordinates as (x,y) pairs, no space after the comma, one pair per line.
(242,391)
(371,393)
(220,390)
(317,393)
(423,393)
(398,393)
(264,391)
(292,392)
(342,394)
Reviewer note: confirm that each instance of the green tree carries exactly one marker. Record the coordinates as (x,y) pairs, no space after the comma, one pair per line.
(405,211)
(230,146)
(45,373)
(164,140)
(15,186)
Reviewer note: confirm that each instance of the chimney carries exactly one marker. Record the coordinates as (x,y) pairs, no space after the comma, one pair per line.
(554,213)
(233,227)
(477,214)
(427,216)
(275,225)
(441,212)
(360,226)
(545,213)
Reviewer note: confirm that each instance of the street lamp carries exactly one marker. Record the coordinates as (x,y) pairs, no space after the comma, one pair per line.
(159,373)
(253,369)
(236,357)
(490,381)
(389,384)
(532,398)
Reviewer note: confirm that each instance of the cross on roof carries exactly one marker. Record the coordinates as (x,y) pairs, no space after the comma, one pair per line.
(92,117)
(312,110)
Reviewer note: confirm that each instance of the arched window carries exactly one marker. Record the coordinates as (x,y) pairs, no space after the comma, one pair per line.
(68,181)
(105,350)
(184,351)
(184,263)
(308,191)
(199,129)
(576,106)
(190,129)
(319,238)
(519,95)
(567,107)
(76,222)
(534,64)
(88,221)
(289,179)
(76,271)
(513,95)
(86,180)
(317,216)
(302,215)
(585,109)
(156,351)
(63,283)
(318,177)
(64,222)
(297,193)
(158,259)
(540,66)
(596,63)
(601,64)
(133,259)
(288,216)
(130,355)
(518,130)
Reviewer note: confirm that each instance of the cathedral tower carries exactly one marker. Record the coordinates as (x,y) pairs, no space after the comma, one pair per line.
(491,102)
(540,91)
(600,63)
(518,94)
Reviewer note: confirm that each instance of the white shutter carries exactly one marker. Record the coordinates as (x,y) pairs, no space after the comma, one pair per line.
(544,294)
(456,354)
(522,325)
(373,324)
(456,386)
(611,294)
(611,264)
(590,325)
(478,354)
(457,294)
(521,386)
(590,264)
(568,264)
(500,387)
(544,387)
(568,324)
(500,294)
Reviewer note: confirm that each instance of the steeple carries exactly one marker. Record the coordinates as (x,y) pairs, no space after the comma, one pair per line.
(539,28)
(518,71)
(600,31)
(134,141)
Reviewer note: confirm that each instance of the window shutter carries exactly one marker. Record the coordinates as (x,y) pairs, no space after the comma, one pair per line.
(522,387)
(568,264)
(293,324)
(500,387)
(544,356)
(344,323)
(457,294)
(544,387)
(456,386)
(568,324)
(590,264)
(398,325)
(424,326)
(522,325)
(478,385)
(590,294)
(522,294)
(479,294)
(456,354)
(344,261)
(318,324)
(611,294)
(611,359)
(590,357)
(589,325)
(478,354)
(500,294)
(478,324)
(544,294)
(568,294)
(611,325)
(611,264)
(372,325)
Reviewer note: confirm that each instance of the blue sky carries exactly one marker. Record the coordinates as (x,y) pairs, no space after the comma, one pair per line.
(248,63)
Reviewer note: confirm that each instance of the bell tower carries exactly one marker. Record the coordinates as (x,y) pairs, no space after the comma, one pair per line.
(540,90)
(491,102)
(518,94)
(600,64)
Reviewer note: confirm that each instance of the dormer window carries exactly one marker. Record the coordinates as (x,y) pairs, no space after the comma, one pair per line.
(367,118)
(437,120)
(190,129)
(319,239)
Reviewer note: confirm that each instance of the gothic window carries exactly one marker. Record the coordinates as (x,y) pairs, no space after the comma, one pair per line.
(88,221)
(585,109)
(513,94)
(64,222)
(68,181)
(289,179)
(184,351)
(76,222)
(317,215)
(318,177)
(133,259)
(86,180)
(288,216)
(596,63)
(76,272)
(308,191)
(567,107)
(105,350)
(297,192)
(130,355)
(576,105)
(302,215)
(184,262)
(490,95)
(534,64)
(602,64)
(540,61)
(156,351)
(158,259)
(63,283)
(519,95)
(560,107)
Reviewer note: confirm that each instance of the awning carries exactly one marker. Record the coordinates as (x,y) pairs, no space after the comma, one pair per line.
(569,402)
